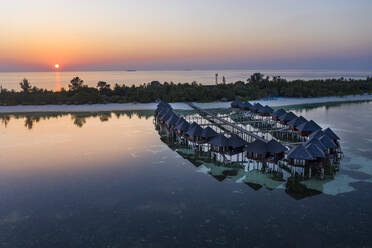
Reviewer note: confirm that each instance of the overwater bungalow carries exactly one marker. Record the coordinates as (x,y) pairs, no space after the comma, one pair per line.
(256,107)
(300,156)
(287,117)
(194,133)
(236,104)
(333,136)
(307,128)
(317,142)
(265,111)
(260,150)
(245,106)
(317,153)
(182,128)
(171,121)
(277,113)
(236,144)
(219,143)
(294,123)
(208,133)
(329,144)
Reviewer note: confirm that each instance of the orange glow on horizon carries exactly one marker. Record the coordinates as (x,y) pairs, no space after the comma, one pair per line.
(56,66)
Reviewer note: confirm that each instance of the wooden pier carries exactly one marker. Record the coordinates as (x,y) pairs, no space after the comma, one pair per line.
(229,126)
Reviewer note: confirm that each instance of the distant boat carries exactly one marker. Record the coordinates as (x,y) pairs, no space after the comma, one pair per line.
(131,70)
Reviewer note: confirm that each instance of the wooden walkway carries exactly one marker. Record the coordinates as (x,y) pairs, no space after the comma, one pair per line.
(231,127)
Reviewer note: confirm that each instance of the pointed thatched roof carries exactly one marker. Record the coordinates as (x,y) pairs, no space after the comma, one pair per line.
(287,116)
(256,146)
(235,141)
(297,121)
(300,152)
(309,126)
(331,134)
(167,115)
(195,131)
(172,120)
(256,107)
(276,147)
(235,103)
(219,141)
(278,113)
(261,147)
(315,151)
(317,142)
(245,105)
(327,142)
(183,126)
(208,132)
(265,110)
(180,120)
(317,134)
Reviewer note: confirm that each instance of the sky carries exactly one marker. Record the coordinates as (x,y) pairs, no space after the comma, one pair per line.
(185,34)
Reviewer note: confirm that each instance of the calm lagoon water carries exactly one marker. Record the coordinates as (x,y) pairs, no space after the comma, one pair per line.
(108,180)
(56,80)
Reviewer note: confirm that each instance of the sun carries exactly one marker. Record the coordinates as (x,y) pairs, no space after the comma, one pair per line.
(56,66)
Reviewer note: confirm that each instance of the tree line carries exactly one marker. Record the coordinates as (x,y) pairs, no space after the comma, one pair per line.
(256,87)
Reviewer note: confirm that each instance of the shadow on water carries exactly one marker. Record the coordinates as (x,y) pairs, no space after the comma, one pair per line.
(256,177)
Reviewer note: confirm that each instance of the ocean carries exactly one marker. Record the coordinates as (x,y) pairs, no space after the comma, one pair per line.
(57,80)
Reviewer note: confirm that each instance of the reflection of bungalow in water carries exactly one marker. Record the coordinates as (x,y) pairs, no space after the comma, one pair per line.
(254,178)
(265,111)
(271,151)
(294,123)
(287,117)
(307,128)
(277,113)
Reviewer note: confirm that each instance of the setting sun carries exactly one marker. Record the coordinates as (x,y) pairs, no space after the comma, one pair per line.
(56,66)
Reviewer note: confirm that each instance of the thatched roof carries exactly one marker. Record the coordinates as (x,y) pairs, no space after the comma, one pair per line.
(276,147)
(309,126)
(235,141)
(236,103)
(287,116)
(317,142)
(297,121)
(315,151)
(183,126)
(331,134)
(172,120)
(300,152)
(195,131)
(220,141)
(327,142)
(256,107)
(208,132)
(278,113)
(180,120)
(262,147)
(265,110)
(246,105)
(317,134)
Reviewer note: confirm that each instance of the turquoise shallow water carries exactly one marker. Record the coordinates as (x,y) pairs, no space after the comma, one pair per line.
(109,180)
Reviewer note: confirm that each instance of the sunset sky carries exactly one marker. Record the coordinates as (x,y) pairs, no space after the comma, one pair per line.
(185,34)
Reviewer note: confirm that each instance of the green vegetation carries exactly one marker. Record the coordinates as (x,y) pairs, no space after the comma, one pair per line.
(256,87)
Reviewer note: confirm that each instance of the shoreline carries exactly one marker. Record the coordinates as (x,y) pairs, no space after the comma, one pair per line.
(279,102)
